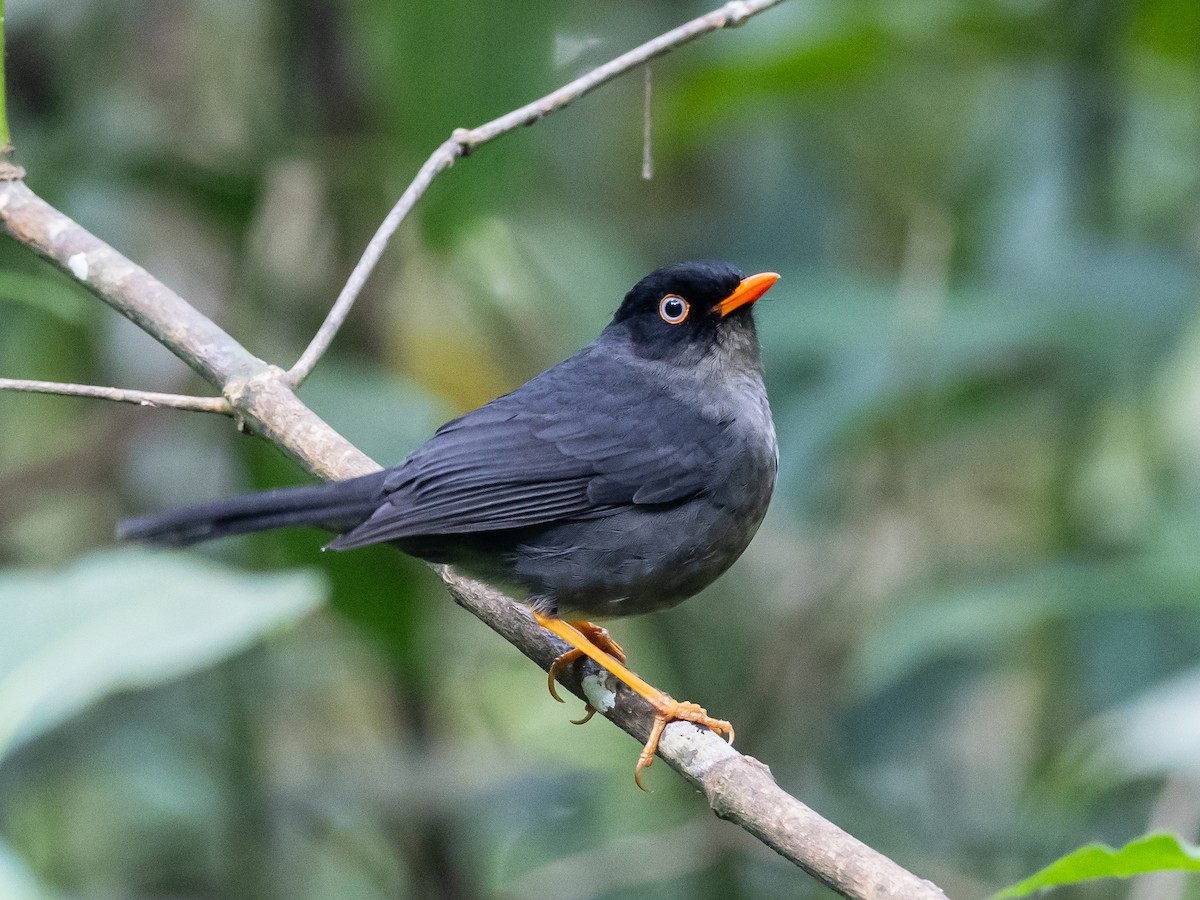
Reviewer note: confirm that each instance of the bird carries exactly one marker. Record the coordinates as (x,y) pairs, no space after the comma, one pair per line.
(622,480)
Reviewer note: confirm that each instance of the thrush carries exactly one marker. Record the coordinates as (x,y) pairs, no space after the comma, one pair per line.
(622,480)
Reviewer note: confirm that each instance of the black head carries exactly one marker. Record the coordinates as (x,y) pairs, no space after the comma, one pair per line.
(684,309)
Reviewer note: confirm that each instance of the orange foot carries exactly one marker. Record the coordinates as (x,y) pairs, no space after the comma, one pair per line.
(672,710)
(600,638)
(666,709)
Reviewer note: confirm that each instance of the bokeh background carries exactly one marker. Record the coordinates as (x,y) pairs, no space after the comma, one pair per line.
(968,630)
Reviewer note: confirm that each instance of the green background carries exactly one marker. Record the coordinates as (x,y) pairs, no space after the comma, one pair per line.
(968,630)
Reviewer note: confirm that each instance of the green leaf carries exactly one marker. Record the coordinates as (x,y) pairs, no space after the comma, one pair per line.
(1151,853)
(127,619)
(62,300)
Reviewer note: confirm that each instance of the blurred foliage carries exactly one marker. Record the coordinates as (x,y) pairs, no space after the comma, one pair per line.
(75,636)
(968,631)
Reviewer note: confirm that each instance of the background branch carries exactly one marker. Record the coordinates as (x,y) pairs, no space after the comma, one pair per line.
(464,141)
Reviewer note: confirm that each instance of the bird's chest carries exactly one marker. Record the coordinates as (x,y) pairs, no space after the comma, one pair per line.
(742,491)
(682,549)
(713,444)
(749,455)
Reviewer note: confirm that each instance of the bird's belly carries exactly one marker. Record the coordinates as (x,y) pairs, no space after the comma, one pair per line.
(636,559)
(639,559)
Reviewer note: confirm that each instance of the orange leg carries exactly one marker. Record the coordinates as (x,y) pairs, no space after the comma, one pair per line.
(666,709)
(600,638)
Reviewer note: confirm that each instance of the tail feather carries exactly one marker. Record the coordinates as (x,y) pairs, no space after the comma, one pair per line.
(335,506)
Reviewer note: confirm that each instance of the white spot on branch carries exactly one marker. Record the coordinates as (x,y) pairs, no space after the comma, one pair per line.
(78,265)
(596,687)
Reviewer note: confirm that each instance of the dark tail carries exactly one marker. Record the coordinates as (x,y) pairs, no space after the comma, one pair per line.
(335,506)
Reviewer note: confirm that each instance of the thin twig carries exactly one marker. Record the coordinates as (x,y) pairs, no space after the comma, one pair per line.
(463,141)
(119,395)
(256,390)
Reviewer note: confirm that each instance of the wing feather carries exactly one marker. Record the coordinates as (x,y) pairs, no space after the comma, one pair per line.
(542,455)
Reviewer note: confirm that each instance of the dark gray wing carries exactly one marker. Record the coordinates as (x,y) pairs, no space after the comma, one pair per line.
(583,439)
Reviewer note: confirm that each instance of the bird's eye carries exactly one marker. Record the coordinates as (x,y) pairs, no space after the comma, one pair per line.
(673,309)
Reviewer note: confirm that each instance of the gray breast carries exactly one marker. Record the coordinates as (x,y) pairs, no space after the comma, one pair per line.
(644,558)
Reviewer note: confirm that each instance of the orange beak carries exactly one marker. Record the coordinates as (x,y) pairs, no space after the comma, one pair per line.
(747,291)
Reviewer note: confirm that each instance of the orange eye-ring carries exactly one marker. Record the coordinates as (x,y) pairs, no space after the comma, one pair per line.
(673,309)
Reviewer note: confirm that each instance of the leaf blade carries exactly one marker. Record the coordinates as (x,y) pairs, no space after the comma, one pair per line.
(128,619)
(1156,852)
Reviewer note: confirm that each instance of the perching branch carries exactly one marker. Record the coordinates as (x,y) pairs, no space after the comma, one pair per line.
(119,395)
(464,141)
(262,397)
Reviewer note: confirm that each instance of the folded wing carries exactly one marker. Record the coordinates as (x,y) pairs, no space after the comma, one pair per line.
(562,447)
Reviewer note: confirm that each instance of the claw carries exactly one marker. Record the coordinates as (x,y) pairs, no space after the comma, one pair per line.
(588,712)
(647,755)
(560,663)
(670,710)
(594,642)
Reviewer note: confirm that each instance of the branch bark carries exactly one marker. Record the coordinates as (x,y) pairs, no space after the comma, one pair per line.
(263,399)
